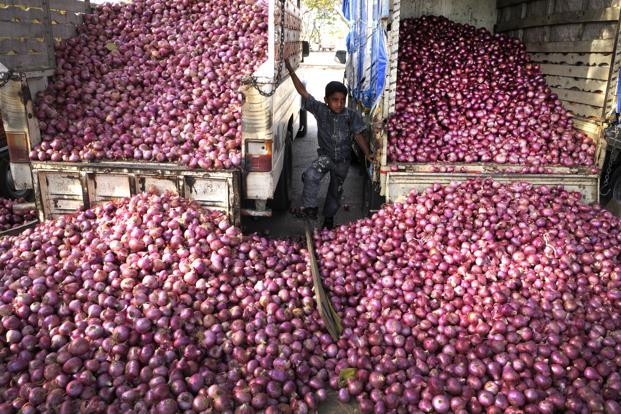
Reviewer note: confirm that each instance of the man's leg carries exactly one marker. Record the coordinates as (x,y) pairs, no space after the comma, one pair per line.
(312,181)
(335,190)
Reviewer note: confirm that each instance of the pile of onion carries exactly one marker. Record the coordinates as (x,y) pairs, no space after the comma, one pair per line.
(466,95)
(478,298)
(10,218)
(156,305)
(153,81)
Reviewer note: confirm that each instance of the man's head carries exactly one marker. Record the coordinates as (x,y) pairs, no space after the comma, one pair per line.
(336,96)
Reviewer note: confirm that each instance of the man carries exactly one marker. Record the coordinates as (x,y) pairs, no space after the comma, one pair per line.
(336,125)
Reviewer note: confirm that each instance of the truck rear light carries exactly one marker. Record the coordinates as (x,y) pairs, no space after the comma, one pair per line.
(258,156)
(19,150)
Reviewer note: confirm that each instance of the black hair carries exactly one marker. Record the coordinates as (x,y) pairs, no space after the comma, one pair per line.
(334,87)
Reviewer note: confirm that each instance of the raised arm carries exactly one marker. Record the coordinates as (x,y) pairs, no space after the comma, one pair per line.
(299,86)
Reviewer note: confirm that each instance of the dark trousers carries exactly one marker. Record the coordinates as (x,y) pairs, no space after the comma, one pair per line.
(312,177)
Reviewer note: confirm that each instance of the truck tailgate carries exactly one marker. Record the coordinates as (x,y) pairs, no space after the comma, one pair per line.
(62,188)
(403,178)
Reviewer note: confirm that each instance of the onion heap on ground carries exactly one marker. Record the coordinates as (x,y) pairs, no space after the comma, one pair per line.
(478,297)
(474,297)
(156,304)
(10,218)
(467,95)
(153,81)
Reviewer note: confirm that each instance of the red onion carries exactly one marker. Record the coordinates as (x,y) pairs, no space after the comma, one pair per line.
(10,218)
(504,304)
(153,81)
(466,95)
(96,307)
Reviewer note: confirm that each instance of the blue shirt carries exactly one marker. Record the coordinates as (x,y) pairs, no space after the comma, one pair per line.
(334,131)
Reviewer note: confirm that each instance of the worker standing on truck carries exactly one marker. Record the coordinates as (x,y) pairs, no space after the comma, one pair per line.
(336,125)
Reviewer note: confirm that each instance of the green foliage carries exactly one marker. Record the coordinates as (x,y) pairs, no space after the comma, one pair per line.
(320,17)
(322,4)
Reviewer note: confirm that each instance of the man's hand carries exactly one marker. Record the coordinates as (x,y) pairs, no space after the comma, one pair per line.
(370,157)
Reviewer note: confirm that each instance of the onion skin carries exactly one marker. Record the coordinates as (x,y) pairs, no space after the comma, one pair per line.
(465,95)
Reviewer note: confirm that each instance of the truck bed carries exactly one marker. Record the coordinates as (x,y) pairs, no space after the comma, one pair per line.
(62,187)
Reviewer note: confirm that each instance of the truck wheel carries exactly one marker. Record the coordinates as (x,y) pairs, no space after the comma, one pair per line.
(7,187)
(303,123)
(284,189)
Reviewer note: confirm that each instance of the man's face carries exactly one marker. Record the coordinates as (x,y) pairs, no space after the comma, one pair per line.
(336,102)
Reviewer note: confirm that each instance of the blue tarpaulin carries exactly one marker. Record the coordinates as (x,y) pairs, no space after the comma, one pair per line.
(366,46)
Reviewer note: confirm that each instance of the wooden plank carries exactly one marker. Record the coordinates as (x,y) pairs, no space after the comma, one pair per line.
(589,127)
(588,46)
(69,5)
(586,85)
(19,229)
(588,59)
(590,72)
(16,46)
(66,18)
(506,3)
(330,318)
(25,62)
(16,14)
(588,98)
(12,29)
(610,14)
(63,31)
(585,111)
(22,3)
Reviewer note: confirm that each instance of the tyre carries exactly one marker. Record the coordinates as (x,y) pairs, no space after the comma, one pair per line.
(284,189)
(7,187)
(303,124)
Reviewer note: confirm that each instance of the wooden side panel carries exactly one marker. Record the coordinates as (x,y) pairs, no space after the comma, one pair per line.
(574,41)
(400,184)
(28,29)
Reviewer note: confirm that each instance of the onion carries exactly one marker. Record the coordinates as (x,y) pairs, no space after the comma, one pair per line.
(488,329)
(465,95)
(10,218)
(153,81)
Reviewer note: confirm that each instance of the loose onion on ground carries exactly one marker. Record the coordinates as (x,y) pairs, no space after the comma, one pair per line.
(153,81)
(474,297)
(466,95)
(10,218)
(479,297)
(154,304)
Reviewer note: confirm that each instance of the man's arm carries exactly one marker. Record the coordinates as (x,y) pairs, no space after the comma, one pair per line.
(299,86)
(363,144)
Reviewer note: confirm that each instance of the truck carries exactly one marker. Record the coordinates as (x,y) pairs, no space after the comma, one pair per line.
(576,44)
(271,119)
